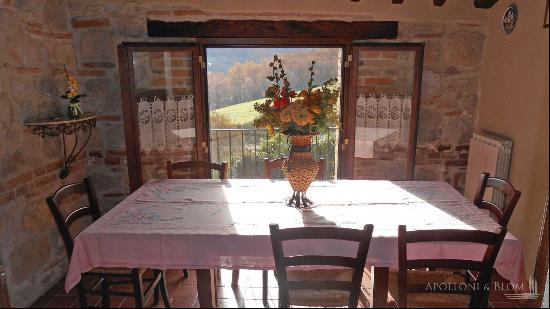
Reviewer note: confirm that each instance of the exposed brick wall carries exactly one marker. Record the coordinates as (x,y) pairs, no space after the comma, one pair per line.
(36,42)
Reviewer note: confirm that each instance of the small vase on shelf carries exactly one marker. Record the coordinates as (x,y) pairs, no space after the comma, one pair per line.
(74,110)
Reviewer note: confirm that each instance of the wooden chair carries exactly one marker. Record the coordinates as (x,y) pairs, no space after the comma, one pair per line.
(108,276)
(171,167)
(325,289)
(511,197)
(221,168)
(411,279)
(270,165)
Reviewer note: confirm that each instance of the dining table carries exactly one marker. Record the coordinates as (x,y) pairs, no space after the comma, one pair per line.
(207,225)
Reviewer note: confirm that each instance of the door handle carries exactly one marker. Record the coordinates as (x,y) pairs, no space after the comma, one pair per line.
(345,144)
(205,147)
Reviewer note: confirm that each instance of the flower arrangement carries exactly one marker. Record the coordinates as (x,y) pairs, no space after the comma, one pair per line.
(72,95)
(307,112)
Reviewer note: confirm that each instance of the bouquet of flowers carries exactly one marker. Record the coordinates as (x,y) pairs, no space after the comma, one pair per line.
(306,112)
(72,95)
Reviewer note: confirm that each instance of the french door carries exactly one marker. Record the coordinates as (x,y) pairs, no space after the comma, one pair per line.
(382,112)
(166,116)
(162,107)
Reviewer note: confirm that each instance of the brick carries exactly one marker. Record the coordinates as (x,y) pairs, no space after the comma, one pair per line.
(6,197)
(44,180)
(29,70)
(90,72)
(39,171)
(99,65)
(182,73)
(53,166)
(19,180)
(53,35)
(380,81)
(456,163)
(22,190)
(112,161)
(95,154)
(116,152)
(90,23)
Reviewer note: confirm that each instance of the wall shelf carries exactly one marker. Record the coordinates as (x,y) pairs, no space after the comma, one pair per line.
(66,126)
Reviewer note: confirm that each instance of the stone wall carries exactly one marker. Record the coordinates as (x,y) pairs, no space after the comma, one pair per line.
(36,42)
(450,87)
(84,34)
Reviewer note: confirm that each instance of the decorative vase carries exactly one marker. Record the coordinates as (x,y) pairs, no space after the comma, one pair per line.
(73,110)
(300,169)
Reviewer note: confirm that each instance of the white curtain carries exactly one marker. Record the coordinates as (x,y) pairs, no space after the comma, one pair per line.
(166,125)
(381,118)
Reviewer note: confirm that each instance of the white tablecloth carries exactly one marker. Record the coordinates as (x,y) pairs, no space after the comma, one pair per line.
(202,224)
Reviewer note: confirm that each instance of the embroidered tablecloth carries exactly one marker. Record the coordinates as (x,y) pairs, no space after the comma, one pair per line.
(203,224)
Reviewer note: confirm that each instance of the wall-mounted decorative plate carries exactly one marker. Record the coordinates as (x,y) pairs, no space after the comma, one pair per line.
(509,19)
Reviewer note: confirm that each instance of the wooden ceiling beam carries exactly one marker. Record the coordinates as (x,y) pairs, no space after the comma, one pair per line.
(218,28)
(484,4)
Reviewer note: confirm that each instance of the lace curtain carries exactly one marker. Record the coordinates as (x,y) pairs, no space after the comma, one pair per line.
(382,119)
(166,125)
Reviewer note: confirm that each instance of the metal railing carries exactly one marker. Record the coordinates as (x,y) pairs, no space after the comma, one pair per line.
(245,149)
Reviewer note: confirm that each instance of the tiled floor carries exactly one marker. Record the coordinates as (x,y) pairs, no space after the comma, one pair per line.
(183,293)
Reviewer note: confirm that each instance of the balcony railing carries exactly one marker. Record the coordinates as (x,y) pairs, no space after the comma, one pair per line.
(245,149)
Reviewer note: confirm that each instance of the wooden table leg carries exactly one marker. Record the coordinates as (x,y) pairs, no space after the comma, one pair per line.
(380,287)
(206,288)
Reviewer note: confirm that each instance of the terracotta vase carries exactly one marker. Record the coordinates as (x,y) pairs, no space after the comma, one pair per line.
(300,169)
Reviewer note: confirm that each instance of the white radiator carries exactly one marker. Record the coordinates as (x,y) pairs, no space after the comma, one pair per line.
(488,154)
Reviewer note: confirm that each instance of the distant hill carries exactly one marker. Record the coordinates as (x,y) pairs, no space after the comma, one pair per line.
(221,59)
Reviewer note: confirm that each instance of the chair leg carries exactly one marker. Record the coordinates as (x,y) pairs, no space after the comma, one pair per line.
(264,285)
(164,290)
(82,297)
(105,293)
(235,278)
(185,274)
(156,292)
(137,282)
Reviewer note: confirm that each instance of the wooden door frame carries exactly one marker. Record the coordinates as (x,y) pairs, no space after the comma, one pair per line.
(344,43)
(129,108)
(418,48)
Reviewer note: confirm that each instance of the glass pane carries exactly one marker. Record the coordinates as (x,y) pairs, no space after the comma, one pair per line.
(384,88)
(165,109)
(237,80)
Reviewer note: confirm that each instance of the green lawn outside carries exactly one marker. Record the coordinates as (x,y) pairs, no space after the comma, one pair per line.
(242,114)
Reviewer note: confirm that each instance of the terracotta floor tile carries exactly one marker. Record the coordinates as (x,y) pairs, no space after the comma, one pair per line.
(61,302)
(183,302)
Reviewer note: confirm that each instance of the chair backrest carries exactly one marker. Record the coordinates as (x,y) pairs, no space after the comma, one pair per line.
(357,263)
(270,165)
(503,213)
(64,222)
(221,168)
(484,268)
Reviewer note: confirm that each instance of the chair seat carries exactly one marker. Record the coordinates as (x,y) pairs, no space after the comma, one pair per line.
(434,300)
(325,298)
(114,271)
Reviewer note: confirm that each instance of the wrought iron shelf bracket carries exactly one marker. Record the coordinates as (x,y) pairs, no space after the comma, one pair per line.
(66,126)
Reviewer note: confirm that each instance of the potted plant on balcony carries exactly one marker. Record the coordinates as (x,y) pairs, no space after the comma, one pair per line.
(300,116)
